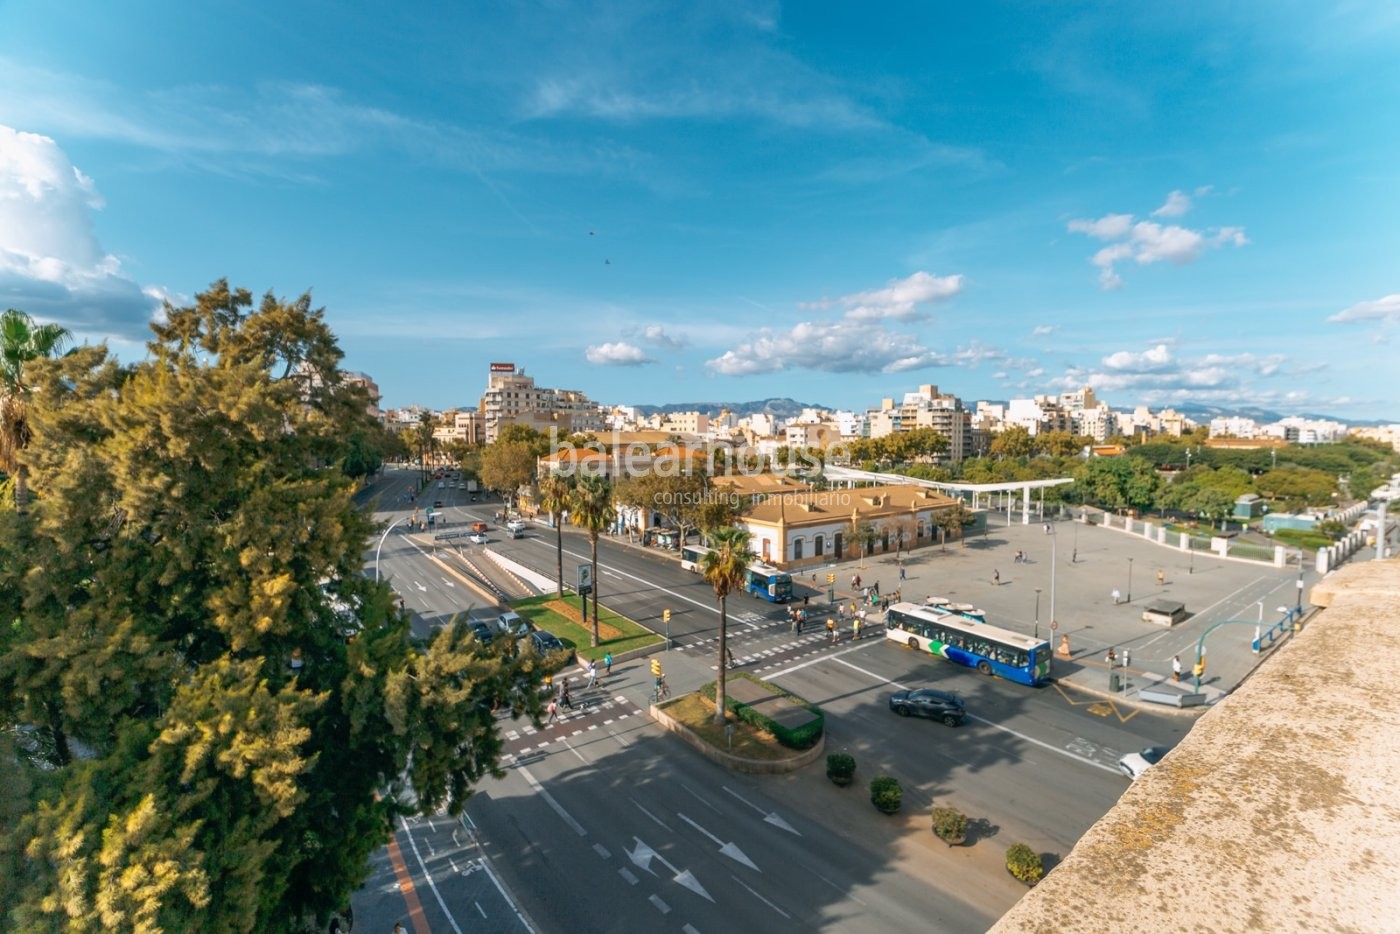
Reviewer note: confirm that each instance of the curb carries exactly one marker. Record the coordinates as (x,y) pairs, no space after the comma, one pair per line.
(739,763)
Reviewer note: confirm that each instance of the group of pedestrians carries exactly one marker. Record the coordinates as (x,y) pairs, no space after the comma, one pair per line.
(563,698)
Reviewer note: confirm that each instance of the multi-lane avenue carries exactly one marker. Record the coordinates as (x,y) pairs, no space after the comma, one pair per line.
(604,822)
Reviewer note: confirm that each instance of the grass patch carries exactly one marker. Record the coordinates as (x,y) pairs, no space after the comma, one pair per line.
(699,715)
(616,633)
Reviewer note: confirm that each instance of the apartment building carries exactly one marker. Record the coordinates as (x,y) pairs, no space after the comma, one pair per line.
(512,398)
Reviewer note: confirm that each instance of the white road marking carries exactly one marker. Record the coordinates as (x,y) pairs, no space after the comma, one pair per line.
(549,799)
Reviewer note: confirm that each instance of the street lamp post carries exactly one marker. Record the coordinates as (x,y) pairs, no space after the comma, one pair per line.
(1130,580)
(381,544)
(1053,563)
(1036,634)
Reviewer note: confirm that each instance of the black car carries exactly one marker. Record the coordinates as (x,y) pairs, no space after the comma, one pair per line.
(482,631)
(926,702)
(545,642)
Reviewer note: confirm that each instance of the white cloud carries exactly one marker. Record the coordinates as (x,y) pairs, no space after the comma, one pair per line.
(1385,309)
(1150,242)
(1177,204)
(1157,377)
(617,353)
(51,264)
(899,300)
(656,335)
(1108,227)
(1042,330)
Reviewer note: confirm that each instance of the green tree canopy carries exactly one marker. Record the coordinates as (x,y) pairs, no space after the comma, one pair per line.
(207,730)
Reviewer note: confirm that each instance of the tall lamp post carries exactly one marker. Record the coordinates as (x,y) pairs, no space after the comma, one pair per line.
(1036,633)
(1130,580)
(1053,562)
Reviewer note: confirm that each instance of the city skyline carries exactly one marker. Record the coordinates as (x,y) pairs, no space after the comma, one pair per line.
(654,204)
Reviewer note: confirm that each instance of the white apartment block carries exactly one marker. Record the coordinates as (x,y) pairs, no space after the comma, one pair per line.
(511,397)
(686,423)
(1233,426)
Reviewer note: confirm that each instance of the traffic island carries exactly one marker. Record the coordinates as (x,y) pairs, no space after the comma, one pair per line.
(766,731)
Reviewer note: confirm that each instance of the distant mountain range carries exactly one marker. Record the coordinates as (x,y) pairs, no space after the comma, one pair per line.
(787,408)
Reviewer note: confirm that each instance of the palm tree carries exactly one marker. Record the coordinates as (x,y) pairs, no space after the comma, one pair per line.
(724,567)
(555,496)
(21,340)
(591,509)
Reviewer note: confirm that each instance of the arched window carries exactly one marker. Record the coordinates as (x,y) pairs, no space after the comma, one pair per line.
(797,549)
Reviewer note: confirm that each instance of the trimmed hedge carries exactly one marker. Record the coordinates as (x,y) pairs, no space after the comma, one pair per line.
(804,737)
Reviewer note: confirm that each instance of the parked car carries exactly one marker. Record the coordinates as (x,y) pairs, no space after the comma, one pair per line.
(927,702)
(512,623)
(482,631)
(479,527)
(1135,763)
(478,538)
(546,642)
(516,524)
(437,504)
(475,498)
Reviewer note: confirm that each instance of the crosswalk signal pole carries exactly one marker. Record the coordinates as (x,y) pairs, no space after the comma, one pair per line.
(666,618)
(831,588)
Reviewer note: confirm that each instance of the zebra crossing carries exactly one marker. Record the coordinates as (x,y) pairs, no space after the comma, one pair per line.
(755,650)
(589,714)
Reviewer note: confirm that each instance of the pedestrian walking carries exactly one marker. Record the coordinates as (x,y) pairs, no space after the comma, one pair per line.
(876,588)
(831,628)
(805,598)
(607,663)
(901,575)
(1161,577)
(553,710)
(857,581)
(1127,657)
(1117,598)
(855,630)
(802,618)
(564,697)
(592,674)
(996,578)
(1047,528)
(1112,657)
(1176,667)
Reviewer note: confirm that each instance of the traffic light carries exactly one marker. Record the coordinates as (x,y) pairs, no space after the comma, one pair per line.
(656,668)
(831,578)
(1200,668)
(665,616)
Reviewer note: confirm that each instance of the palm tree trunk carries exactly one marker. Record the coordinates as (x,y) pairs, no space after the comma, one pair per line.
(723,655)
(593,541)
(559,548)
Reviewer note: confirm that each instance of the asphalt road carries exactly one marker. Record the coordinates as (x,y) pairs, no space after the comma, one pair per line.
(604,823)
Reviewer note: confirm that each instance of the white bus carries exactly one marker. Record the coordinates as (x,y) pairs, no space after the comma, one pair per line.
(693,557)
(965,637)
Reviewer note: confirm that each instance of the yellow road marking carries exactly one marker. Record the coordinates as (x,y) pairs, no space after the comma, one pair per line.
(1097,705)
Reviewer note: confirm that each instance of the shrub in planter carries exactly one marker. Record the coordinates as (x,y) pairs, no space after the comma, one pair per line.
(949,824)
(885,793)
(841,768)
(1024,863)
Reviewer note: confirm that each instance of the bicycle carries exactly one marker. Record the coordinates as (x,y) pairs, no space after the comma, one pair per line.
(660,691)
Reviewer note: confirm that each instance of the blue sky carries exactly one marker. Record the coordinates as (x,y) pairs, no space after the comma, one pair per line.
(666,202)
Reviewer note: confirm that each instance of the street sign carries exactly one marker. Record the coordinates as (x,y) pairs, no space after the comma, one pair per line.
(585,578)
(1054,624)
(448,536)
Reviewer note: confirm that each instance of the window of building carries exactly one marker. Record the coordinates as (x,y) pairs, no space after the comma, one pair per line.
(818,545)
(797,549)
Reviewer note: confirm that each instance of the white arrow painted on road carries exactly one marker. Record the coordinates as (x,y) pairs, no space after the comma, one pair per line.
(769,818)
(642,857)
(448,582)
(728,849)
(420,586)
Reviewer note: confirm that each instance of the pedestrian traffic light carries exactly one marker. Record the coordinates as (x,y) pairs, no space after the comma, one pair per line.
(665,616)
(656,667)
(831,578)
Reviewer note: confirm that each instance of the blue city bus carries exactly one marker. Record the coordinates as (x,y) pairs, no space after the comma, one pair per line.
(963,636)
(767,582)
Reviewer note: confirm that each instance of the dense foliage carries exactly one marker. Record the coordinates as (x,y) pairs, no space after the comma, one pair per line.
(210,717)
